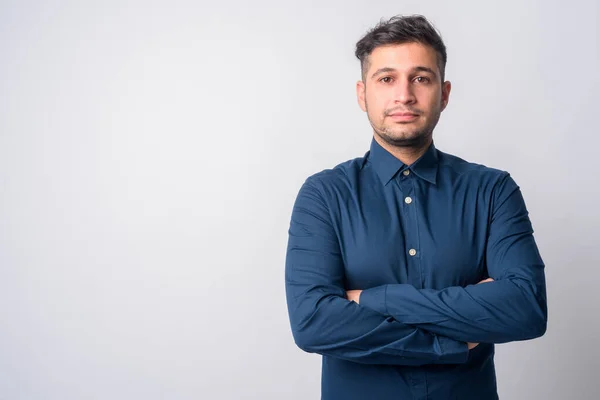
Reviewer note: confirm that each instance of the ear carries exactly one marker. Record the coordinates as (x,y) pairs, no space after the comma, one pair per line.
(446,86)
(360,95)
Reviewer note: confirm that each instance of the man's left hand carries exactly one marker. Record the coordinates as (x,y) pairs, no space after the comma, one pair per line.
(353,295)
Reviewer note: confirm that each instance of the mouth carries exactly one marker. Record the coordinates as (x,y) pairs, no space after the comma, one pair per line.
(403,117)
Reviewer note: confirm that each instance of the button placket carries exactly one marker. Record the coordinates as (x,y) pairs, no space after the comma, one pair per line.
(411,232)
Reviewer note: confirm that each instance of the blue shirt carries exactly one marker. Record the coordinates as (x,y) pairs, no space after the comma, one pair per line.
(416,239)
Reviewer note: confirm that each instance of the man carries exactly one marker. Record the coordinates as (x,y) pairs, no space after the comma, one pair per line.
(405,266)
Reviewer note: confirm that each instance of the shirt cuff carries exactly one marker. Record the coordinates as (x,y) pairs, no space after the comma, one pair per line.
(374,299)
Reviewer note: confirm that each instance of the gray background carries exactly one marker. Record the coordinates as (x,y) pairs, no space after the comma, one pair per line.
(150,153)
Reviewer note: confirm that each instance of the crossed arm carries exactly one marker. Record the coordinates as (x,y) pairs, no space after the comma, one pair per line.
(511,307)
(354,295)
(402,325)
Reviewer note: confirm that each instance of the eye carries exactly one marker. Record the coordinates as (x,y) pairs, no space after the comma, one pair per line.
(422,79)
(384,79)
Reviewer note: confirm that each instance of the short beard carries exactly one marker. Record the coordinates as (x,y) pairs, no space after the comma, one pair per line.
(416,142)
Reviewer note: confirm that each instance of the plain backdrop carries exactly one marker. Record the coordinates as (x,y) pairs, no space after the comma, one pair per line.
(151,151)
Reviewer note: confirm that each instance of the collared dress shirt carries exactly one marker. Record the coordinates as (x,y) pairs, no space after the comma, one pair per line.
(417,240)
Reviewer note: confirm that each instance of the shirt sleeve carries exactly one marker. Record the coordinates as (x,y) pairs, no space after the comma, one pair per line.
(512,307)
(323,321)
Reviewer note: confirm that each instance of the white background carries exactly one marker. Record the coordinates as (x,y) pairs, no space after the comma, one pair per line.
(150,154)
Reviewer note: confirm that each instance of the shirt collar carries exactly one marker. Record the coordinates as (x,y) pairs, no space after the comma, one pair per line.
(387,166)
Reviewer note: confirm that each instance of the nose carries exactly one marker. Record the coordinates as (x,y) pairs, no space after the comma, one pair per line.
(404,93)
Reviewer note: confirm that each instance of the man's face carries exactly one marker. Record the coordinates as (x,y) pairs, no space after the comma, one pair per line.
(402,93)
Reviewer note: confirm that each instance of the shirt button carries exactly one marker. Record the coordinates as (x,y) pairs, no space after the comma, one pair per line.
(408,200)
(406,172)
(412,252)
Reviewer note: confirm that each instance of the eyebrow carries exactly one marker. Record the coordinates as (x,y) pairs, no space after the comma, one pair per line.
(417,68)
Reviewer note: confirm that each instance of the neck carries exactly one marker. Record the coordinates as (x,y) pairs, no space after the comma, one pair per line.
(407,154)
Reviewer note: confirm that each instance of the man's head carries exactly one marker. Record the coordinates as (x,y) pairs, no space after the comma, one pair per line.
(402,66)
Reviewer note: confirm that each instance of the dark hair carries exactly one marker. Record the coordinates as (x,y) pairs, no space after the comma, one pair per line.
(399,30)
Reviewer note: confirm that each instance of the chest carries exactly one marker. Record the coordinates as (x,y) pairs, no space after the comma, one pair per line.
(424,235)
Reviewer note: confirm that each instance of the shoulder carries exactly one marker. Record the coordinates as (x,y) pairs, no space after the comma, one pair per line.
(478,173)
(495,184)
(338,178)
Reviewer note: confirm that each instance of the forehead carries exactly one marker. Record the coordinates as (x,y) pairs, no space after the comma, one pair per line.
(403,56)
